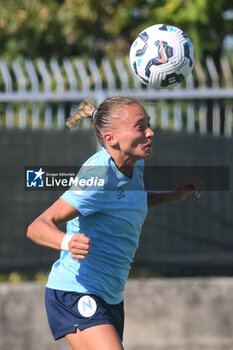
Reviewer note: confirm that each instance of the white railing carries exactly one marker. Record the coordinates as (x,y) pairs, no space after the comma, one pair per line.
(40,95)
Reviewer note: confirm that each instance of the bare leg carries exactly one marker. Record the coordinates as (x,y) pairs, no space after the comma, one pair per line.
(103,337)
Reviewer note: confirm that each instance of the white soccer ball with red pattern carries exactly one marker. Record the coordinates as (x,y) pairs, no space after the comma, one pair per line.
(162,56)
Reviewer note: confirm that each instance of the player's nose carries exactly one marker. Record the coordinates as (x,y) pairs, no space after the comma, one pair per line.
(149,132)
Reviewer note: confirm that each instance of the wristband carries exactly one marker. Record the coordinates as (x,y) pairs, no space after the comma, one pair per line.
(65,242)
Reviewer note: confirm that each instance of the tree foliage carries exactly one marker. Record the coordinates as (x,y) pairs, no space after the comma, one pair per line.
(46,28)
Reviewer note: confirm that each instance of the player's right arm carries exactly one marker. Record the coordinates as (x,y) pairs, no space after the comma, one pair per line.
(44,229)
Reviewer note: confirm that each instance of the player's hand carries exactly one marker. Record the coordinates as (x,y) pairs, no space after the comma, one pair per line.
(190,185)
(79,246)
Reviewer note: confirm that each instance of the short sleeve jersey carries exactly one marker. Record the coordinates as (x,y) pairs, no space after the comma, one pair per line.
(112,212)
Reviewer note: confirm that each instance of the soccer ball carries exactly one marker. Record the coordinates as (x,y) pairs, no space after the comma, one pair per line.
(162,56)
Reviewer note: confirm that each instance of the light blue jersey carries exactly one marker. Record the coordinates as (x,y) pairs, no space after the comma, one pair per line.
(112,215)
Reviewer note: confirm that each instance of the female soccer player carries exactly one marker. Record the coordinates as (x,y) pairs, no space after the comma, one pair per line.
(84,294)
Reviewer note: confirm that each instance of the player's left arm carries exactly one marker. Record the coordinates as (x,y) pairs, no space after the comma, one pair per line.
(191,185)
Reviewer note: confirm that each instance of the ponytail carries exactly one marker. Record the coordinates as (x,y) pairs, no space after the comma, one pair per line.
(84,110)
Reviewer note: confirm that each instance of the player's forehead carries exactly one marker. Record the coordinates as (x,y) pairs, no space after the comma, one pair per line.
(133,112)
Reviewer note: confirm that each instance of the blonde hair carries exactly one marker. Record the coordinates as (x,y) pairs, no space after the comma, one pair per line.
(102,116)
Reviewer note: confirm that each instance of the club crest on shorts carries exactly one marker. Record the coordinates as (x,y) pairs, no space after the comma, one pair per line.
(87,306)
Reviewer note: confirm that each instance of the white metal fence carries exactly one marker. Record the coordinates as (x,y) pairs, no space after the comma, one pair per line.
(41,95)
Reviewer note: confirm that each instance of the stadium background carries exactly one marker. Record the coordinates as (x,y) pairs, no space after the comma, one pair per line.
(190,238)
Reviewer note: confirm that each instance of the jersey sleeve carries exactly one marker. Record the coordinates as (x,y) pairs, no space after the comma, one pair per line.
(87,190)
(86,203)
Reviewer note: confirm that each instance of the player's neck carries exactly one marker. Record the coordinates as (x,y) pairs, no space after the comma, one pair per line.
(123,162)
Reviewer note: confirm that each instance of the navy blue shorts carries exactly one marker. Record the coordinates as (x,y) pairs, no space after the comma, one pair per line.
(67,311)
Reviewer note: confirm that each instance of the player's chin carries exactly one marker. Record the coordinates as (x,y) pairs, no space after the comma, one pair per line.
(147,152)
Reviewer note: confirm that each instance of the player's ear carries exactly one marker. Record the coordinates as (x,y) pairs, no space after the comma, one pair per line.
(109,138)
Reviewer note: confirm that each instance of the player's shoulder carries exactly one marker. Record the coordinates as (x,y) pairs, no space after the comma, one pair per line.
(140,164)
(100,158)
(96,166)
